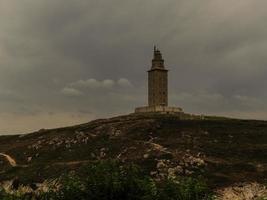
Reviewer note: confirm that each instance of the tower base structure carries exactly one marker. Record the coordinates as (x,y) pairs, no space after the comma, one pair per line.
(158,109)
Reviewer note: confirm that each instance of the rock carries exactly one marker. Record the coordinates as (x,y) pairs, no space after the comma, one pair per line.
(93,155)
(146,155)
(243,191)
(102,153)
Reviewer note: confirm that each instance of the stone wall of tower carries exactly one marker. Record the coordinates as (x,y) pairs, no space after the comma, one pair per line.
(158,87)
(157,81)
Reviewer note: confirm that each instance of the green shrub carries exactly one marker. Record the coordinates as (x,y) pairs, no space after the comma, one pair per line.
(184,189)
(109,180)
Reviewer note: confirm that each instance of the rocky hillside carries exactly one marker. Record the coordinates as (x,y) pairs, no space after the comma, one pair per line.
(224,151)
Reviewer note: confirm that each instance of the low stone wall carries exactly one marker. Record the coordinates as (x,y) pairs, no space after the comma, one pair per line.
(158,109)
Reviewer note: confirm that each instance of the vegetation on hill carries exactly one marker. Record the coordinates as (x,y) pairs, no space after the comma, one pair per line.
(223,151)
(109,180)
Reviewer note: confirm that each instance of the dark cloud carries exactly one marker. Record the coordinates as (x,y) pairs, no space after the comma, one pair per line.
(81,60)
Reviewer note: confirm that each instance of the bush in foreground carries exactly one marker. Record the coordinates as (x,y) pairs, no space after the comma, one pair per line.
(108,180)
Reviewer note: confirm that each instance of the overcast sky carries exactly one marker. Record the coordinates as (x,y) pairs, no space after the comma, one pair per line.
(64,62)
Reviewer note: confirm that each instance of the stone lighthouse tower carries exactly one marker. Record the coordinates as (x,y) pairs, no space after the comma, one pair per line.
(157,81)
(158,88)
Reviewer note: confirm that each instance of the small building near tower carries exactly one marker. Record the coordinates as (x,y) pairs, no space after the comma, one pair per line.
(158,88)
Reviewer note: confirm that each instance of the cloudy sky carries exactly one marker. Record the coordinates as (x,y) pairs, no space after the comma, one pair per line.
(64,62)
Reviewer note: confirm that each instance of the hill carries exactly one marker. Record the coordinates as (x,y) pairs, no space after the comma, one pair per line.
(224,151)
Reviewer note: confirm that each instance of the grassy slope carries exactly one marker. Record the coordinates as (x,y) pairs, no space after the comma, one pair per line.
(234,150)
